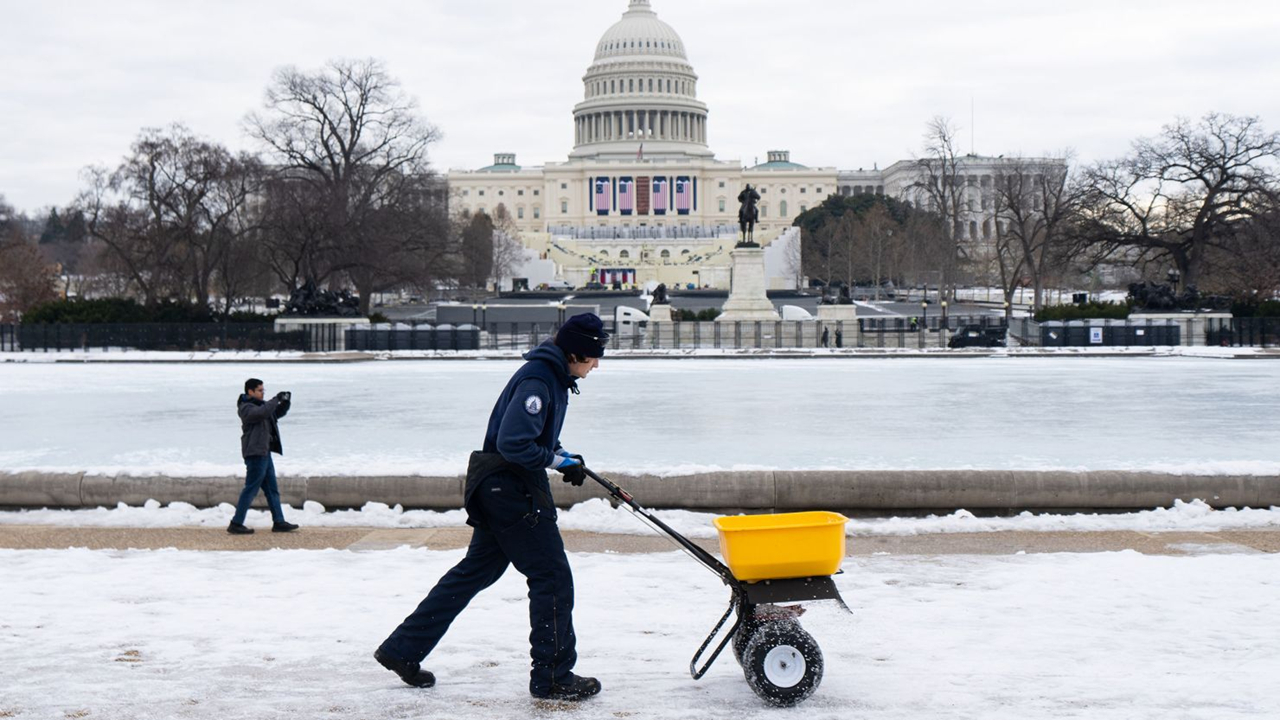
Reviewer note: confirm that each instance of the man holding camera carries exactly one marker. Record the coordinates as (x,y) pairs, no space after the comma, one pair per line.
(259,437)
(509,505)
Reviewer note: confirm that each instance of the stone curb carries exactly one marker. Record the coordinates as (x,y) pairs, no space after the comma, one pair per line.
(934,490)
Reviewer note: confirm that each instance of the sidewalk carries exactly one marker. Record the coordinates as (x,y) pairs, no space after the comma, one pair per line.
(33,537)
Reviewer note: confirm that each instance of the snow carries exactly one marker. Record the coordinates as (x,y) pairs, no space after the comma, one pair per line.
(599,516)
(289,634)
(1180,415)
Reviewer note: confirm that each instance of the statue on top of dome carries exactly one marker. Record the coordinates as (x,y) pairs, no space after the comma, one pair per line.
(748,216)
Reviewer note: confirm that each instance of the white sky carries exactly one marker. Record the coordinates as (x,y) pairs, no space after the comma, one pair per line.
(842,83)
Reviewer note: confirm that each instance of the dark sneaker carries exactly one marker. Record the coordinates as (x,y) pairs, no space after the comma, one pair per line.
(578,688)
(410,673)
(283,527)
(236,528)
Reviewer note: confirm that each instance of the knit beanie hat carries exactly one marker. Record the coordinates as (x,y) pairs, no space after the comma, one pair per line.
(583,335)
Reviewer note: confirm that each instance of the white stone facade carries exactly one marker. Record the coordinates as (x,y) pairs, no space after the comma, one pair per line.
(641,195)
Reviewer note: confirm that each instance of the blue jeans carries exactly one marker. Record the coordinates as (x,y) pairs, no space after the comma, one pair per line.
(260,473)
(516,532)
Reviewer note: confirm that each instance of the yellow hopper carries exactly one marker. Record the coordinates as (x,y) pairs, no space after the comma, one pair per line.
(785,545)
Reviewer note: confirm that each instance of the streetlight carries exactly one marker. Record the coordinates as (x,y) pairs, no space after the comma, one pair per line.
(474,309)
(560,307)
(484,315)
(924,314)
(1174,277)
(944,316)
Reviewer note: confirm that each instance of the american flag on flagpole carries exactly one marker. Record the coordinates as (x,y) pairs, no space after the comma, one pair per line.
(640,152)
(684,195)
(660,196)
(626,195)
(602,196)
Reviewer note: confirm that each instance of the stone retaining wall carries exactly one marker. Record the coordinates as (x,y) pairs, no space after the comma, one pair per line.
(933,490)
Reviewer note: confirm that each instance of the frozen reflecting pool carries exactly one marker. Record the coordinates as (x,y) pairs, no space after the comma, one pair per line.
(663,416)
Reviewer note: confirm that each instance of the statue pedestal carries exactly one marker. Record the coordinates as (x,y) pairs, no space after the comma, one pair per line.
(660,313)
(837,313)
(323,334)
(747,299)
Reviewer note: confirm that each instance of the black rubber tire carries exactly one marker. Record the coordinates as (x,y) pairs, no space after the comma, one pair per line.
(741,637)
(782,663)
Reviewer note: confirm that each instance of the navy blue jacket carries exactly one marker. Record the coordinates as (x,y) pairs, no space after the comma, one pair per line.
(524,426)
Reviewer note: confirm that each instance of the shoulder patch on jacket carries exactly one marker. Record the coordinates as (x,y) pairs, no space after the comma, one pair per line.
(533,404)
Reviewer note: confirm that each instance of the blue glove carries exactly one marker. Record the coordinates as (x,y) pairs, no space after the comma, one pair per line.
(571,468)
(564,461)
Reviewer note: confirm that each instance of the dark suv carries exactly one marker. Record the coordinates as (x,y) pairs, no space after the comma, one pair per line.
(978,336)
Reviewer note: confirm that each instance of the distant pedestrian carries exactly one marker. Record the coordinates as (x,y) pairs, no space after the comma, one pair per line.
(839,338)
(826,337)
(259,437)
(510,508)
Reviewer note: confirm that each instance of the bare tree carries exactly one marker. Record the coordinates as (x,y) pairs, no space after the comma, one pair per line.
(879,237)
(1251,268)
(942,189)
(475,248)
(346,141)
(508,251)
(27,279)
(1034,202)
(1182,194)
(168,212)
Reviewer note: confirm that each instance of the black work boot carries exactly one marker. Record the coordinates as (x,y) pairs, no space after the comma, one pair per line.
(410,672)
(283,526)
(236,528)
(578,688)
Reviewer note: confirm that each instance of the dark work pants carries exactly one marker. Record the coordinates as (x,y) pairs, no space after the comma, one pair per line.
(259,473)
(514,531)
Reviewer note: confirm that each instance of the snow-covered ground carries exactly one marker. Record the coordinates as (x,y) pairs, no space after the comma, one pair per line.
(289,634)
(1183,415)
(598,516)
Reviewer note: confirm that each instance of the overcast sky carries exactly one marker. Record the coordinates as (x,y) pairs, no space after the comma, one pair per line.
(840,83)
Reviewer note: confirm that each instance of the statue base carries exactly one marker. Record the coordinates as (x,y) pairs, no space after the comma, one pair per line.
(748,244)
(323,334)
(660,313)
(747,298)
(837,313)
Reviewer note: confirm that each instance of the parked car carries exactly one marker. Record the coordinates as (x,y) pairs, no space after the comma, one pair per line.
(978,336)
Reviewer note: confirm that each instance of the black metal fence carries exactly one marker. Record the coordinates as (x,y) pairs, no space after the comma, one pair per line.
(1243,332)
(930,333)
(1143,332)
(412,337)
(109,337)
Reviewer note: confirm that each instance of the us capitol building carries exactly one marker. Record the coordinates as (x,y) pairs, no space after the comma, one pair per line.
(642,197)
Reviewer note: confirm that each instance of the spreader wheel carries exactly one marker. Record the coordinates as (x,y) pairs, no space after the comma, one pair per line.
(741,637)
(782,663)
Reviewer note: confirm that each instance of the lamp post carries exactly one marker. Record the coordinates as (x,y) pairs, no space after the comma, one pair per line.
(924,314)
(944,316)
(475,308)
(484,316)
(560,307)
(1174,277)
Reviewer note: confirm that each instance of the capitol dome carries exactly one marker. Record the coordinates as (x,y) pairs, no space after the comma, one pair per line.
(640,90)
(640,32)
